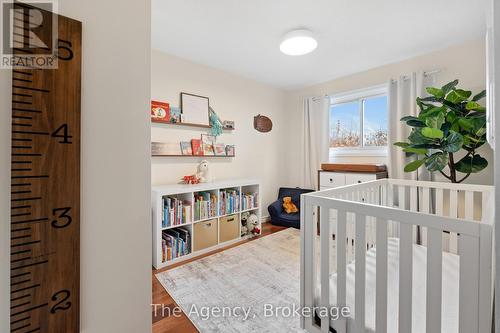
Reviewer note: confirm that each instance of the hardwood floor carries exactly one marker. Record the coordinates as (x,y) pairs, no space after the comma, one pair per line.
(172,324)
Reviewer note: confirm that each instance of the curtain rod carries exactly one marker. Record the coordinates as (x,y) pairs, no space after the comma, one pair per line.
(429,73)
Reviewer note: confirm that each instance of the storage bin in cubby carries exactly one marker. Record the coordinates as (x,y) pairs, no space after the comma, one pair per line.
(229,228)
(205,234)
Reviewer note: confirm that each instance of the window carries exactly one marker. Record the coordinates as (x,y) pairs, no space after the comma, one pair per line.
(358,122)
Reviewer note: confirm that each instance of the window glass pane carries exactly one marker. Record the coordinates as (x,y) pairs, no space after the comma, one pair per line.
(345,125)
(375,121)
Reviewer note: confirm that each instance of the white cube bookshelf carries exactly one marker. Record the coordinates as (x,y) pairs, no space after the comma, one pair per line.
(187,193)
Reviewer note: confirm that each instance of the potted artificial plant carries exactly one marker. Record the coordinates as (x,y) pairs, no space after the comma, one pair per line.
(449,123)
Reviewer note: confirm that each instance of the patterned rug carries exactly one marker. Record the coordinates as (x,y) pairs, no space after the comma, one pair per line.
(253,287)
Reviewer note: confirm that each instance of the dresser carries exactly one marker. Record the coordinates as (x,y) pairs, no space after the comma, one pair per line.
(339,174)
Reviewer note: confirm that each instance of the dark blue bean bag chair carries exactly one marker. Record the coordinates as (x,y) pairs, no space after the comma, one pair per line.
(278,215)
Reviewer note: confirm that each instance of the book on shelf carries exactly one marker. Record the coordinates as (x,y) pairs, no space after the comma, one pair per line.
(160,111)
(196,147)
(175,243)
(205,205)
(229,202)
(186,148)
(176,211)
(249,200)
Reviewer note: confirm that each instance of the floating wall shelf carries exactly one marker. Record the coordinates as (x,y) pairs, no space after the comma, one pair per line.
(188,125)
(201,156)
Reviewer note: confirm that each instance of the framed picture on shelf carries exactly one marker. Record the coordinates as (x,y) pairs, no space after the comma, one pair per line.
(195,109)
(175,114)
(208,143)
(220,149)
(196,147)
(160,112)
(230,150)
(186,148)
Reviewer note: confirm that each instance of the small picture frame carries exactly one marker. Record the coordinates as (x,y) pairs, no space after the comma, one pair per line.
(208,144)
(195,109)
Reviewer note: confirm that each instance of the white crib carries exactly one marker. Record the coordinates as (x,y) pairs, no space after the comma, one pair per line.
(417,257)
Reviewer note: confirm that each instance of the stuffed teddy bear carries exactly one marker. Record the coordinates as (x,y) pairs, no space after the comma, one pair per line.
(244,228)
(289,206)
(203,173)
(252,223)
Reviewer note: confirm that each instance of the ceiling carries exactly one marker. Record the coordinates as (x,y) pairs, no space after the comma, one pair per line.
(243,36)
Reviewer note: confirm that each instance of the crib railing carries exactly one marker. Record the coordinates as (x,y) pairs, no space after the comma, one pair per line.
(441,216)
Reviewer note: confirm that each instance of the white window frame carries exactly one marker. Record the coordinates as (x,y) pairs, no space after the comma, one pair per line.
(352,96)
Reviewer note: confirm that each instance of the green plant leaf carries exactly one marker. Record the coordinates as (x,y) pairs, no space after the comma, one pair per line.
(413,121)
(436,162)
(457,96)
(416,137)
(430,99)
(432,133)
(479,96)
(432,112)
(466,124)
(412,166)
(401,144)
(471,105)
(449,86)
(453,142)
(436,121)
(419,151)
(435,92)
(470,164)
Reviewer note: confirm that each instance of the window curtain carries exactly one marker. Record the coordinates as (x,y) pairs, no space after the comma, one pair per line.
(314,148)
(402,95)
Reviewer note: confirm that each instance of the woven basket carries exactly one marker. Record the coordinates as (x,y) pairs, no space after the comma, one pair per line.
(262,123)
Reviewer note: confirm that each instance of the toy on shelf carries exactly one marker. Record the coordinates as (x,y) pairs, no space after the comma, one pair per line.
(190,180)
(251,224)
(244,228)
(203,173)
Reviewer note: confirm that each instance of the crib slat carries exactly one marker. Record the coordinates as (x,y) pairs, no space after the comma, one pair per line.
(434,280)
(468,287)
(308,260)
(439,201)
(469,205)
(485,206)
(405,278)
(453,213)
(381,276)
(340,324)
(325,244)
(359,290)
(414,208)
(425,200)
(401,197)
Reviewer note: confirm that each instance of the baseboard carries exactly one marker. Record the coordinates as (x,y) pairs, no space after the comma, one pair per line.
(265,219)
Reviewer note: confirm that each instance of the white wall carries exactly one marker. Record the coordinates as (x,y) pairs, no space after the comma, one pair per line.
(115,167)
(465,62)
(258,155)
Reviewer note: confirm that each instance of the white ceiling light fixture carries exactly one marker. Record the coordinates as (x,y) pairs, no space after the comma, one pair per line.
(298,42)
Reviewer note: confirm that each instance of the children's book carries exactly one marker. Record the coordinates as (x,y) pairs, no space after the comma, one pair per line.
(186,148)
(196,147)
(160,112)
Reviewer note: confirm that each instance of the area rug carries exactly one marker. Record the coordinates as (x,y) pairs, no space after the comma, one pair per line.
(254,287)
